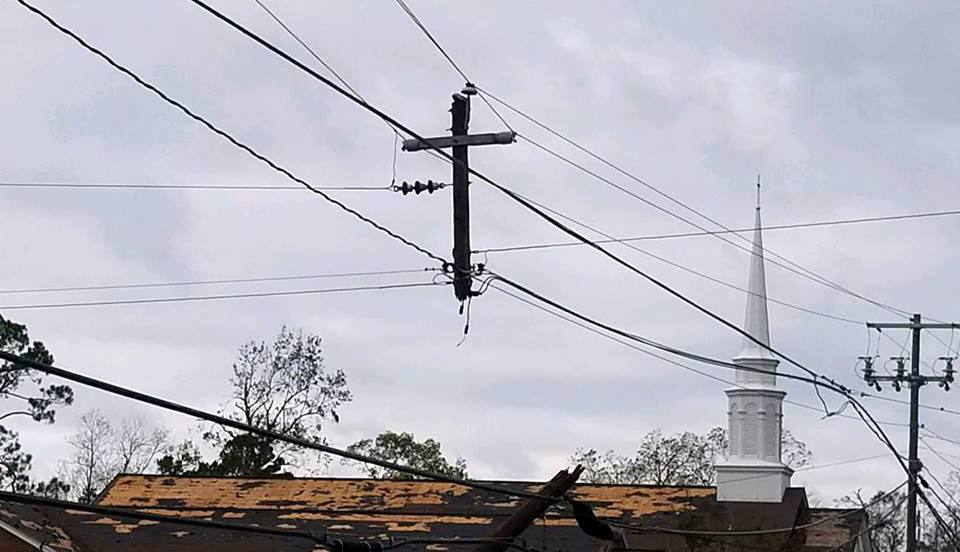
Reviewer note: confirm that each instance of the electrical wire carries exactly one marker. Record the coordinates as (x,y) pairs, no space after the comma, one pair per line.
(794,226)
(222,133)
(881,520)
(816,380)
(212,282)
(951,533)
(801,271)
(940,456)
(153,300)
(679,266)
(465,541)
(50,369)
(416,20)
(125,186)
(666,359)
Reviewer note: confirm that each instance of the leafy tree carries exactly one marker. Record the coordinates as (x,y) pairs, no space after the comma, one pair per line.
(183,459)
(283,387)
(246,454)
(682,459)
(37,402)
(53,488)
(14,462)
(402,448)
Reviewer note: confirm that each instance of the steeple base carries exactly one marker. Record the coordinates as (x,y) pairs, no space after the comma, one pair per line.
(755,482)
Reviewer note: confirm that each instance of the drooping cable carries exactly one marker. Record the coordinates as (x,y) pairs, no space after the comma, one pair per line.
(21,362)
(666,359)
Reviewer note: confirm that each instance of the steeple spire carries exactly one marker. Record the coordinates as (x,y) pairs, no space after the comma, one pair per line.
(757,322)
(753,470)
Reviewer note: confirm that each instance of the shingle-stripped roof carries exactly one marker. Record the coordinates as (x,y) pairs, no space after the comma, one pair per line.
(390,509)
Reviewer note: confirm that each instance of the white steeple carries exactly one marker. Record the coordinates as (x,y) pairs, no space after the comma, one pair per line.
(753,470)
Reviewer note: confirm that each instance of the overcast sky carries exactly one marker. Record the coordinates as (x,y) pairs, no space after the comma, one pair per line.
(845,109)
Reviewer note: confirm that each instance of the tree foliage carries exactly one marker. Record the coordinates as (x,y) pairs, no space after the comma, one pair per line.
(283,387)
(39,403)
(403,448)
(245,454)
(682,459)
(32,398)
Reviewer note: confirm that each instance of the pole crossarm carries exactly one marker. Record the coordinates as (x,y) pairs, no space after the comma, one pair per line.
(486,139)
(912,325)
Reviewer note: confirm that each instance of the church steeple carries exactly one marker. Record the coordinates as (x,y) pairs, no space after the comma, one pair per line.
(753,470)
(757,322)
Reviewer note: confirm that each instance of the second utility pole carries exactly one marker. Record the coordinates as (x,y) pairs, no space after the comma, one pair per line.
(915,380)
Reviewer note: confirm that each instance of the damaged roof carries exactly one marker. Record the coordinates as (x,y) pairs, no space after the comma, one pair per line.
(394,510)
(26,528)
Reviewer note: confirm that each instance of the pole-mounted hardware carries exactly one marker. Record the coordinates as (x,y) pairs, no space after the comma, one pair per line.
(419,187)
(459,142)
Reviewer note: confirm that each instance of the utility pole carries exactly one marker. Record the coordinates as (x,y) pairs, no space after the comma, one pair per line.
(459,141)
(915,381)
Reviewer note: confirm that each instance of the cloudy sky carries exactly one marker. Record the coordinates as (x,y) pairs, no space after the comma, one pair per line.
(846,110)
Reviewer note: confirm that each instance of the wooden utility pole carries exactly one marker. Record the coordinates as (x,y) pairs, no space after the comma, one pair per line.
(915,381)
(459,142)
(517,523)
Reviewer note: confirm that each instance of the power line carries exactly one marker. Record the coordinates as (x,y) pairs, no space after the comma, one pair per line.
(222,133)
(88,381)
(129,186)
(951,533)
(799,225)
(668,360)
(801,271)
(816,380)
(940,456)
(689,270)
(881,520)
(153,300)
(212,282)
(416,20)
